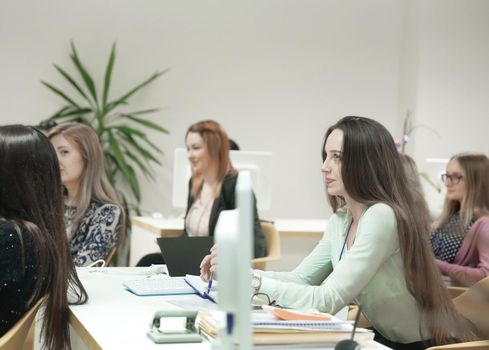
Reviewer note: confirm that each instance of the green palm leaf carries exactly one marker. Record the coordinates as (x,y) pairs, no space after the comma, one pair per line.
(108,76)
(146,154)
(123,98)
(83,73)
(61,94)
(123,135)
(121,163)
(71,81)
(145,122)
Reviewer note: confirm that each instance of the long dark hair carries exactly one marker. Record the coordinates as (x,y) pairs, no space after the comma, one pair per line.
(372,172)
(31,196)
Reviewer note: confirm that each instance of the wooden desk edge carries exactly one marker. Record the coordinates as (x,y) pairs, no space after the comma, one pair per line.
(301,234)
(82,332)
(178,232)
(156,230)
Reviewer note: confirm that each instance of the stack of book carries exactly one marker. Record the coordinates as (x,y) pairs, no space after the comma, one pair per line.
(268,329)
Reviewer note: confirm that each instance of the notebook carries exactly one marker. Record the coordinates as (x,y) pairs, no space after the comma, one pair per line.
(164,285)
(184,254)
(201,287)
(267,330)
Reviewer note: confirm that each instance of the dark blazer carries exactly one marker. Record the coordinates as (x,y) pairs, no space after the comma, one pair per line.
(227,201)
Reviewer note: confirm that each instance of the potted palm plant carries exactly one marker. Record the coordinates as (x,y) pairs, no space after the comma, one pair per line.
(122,133)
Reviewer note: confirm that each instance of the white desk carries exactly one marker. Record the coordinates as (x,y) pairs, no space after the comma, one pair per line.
(301,234)
(116,319)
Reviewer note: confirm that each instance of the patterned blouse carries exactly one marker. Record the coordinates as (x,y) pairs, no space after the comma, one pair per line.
(447,239)
(96,234)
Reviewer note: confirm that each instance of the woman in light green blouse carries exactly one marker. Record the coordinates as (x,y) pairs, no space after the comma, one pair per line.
(374,252)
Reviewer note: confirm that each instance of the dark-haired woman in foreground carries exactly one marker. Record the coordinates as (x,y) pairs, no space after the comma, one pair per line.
(374,252)
(35,259)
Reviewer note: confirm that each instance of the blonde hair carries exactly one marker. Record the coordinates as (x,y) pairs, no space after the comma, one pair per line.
(475,202)
(94,184)
(217,143)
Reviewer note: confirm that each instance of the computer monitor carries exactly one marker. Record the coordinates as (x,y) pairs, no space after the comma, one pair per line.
(258,164)
(234,239)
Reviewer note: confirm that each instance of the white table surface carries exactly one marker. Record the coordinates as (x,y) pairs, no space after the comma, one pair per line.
(118,319)
(114,318)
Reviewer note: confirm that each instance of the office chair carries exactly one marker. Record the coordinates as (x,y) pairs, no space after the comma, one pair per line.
(16,337)
(272,239)
(362,320)
(110,254)
(456,291)
(473,304)
(472,345)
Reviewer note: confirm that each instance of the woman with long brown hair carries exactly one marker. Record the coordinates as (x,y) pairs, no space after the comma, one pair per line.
(35,259)
(93,216)
(212,186)
(460,236)
(374,251)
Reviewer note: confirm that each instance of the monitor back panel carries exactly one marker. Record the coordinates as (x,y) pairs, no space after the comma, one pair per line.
(183,255)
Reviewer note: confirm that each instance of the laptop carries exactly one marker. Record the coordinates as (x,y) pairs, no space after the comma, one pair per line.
(184,254)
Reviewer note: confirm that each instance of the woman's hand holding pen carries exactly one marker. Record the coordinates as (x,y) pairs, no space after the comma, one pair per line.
(208,265)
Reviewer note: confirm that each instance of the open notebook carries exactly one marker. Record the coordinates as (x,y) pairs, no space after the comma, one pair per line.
(166,285)
(268,330)
(200,287)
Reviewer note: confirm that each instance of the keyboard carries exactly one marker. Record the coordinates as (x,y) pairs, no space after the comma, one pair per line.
(164,285)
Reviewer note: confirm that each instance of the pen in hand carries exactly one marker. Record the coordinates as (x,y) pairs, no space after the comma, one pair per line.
(209,284)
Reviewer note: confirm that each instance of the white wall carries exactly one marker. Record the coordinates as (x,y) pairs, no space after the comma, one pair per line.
(275,73)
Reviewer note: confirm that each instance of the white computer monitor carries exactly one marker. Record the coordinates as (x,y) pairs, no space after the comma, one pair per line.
(258,164)
(234,241)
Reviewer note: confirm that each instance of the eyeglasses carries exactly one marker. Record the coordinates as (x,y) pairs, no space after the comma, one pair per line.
(453,179)
(259,299)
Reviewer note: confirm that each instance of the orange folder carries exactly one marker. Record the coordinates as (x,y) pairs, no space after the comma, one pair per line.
(295,315)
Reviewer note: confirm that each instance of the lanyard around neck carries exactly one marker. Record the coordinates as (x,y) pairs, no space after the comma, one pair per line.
(346,239)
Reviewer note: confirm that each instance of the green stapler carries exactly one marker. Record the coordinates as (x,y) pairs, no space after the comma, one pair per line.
(188,335)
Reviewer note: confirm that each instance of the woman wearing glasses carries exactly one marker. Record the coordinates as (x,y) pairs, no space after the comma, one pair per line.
(460,239)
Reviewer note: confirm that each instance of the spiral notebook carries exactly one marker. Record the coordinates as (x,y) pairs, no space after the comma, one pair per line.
(267,330)
(266,321)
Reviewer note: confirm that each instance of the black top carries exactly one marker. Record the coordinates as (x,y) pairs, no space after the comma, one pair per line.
(227,201)
(17,277)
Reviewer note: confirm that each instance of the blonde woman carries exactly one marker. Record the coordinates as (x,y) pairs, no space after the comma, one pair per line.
(93,216)
(460,239)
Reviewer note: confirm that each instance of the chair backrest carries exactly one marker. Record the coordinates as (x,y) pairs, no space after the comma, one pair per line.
(110,255)
(473,304)
(272,239)
(472,345)
(16,336)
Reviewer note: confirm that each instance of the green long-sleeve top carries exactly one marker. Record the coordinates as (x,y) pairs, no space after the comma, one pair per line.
(370,273)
